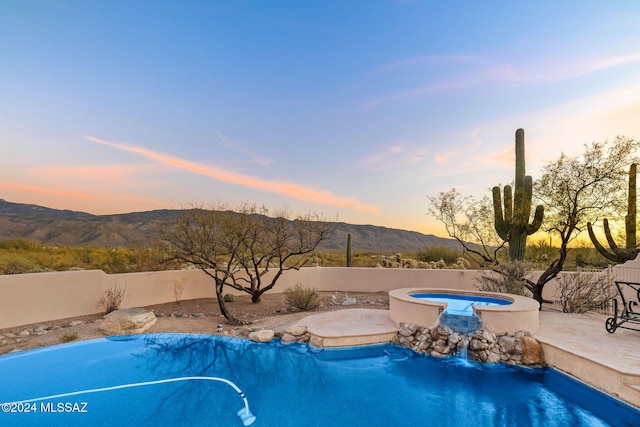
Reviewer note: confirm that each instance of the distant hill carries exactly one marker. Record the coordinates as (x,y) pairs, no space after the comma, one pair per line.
(65,227)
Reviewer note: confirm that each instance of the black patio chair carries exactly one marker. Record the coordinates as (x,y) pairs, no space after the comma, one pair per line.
(630,311)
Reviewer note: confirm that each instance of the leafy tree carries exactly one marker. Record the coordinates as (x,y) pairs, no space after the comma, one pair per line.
(238,247)
(578,190)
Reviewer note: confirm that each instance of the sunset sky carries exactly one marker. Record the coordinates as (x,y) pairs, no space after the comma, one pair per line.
(356,110)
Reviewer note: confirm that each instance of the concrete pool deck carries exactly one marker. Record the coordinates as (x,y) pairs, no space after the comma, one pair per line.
(576,344)
(579,345)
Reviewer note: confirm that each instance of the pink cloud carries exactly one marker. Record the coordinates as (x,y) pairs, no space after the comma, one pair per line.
(22,188)
(295,191)
(121,174)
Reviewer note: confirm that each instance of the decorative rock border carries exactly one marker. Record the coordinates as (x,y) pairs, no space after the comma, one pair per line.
(517,348)
(292,334)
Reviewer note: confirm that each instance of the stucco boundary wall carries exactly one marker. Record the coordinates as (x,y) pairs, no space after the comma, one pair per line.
(42,297)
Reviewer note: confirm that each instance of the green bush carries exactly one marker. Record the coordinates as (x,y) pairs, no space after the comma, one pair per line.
(437,253)
(229,298)
(302,299)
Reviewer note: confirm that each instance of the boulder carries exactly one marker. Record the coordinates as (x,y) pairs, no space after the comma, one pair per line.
(531,351)
(296,331)
(263,335)
(128,321)
(288,338)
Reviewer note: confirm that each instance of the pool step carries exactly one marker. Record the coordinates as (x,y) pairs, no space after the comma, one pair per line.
(464,324)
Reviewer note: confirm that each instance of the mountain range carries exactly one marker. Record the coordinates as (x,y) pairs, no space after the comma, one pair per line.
(65,227)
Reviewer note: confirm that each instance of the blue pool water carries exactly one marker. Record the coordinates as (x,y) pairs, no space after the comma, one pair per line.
(461,304)
(292,385)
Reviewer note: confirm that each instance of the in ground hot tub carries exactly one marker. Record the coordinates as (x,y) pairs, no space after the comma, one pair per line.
(498,312)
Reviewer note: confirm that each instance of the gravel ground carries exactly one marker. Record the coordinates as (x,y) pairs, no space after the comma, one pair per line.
(200,316)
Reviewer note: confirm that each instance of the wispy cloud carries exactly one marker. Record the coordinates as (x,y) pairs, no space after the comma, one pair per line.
(481,72)
(444,157)
(294,191)
(396,157)
(254,157)
(560,71)
(32,189)
(503,158)
(108,174)
(414,92)
(427,59)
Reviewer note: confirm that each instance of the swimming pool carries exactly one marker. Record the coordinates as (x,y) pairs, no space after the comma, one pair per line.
(293,385)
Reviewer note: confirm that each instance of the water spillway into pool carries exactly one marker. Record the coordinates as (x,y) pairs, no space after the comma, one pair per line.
(461,304)
(459,315)
(290,385)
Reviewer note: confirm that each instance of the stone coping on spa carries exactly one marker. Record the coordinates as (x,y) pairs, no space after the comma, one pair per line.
(521,315)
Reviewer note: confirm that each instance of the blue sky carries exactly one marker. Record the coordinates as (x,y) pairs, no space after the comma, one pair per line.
(356,110)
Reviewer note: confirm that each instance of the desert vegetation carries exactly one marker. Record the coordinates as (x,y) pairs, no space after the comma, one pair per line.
(26,256)
(573,192)
(22,256)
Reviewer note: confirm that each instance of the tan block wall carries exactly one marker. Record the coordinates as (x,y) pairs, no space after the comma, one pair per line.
(41,297)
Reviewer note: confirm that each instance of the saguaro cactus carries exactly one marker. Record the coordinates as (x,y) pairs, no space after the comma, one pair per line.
(631,251)
(513,225)
(349,250)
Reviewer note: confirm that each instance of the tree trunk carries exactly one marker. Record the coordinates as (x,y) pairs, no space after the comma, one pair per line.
(223,307)
(537,293)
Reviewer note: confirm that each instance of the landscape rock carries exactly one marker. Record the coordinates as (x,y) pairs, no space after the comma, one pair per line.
(531,351)
(288,338)
(296,331)
(128,321)
(349,301)
(482,345)
(263,335)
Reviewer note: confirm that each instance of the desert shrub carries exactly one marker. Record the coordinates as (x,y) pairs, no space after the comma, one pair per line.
(582,292)
(437,253)
(69,337)
(111,299)
(507,278)
(302,299)
(229,298)
(17,264)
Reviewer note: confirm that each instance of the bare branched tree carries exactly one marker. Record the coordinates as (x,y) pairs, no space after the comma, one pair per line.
(238,247)
(582,292)
(470,222)
(508,277)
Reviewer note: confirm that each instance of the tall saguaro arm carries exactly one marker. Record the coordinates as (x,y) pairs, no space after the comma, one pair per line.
(616,254)
(512,222)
